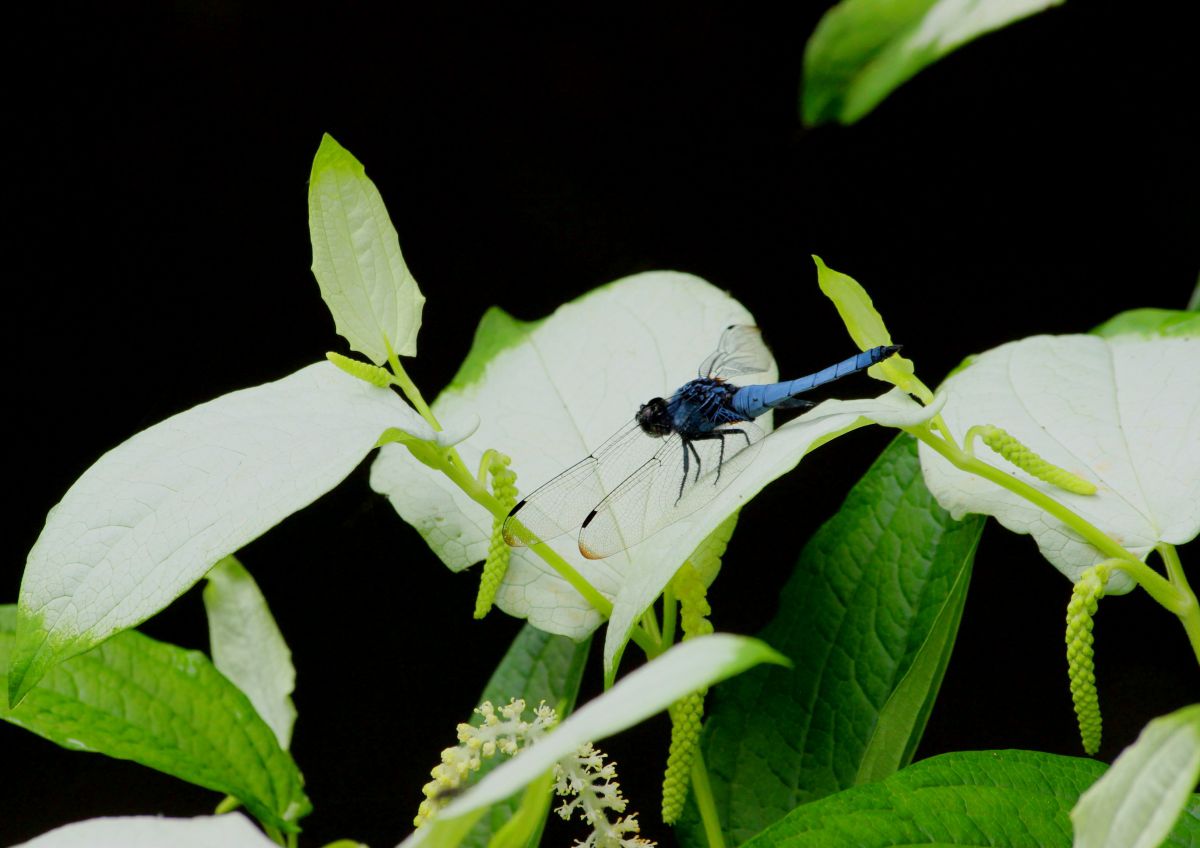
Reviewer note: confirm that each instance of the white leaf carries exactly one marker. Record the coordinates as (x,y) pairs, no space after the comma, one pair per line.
(548,393)
(228,831)
(685,668)
(356,258)
(1123,413)
(551,392)
(247,646)
(151,516)
(1137,801)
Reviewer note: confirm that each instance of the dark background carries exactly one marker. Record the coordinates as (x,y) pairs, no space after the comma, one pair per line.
(1040,180)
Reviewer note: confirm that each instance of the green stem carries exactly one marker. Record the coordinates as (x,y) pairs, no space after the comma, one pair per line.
(479,493)
(400,378)
(1187,607)
(452,465)
(274,834)
(649,624)
(702,792)
(1156,586)
(960,459)
(670,614)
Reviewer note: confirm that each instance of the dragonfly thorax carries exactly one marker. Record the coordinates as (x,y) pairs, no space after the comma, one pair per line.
(654,418)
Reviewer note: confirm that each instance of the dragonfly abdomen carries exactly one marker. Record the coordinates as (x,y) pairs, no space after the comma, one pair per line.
(753,401)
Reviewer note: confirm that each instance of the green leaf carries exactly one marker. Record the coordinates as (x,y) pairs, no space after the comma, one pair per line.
(1003,799)
(683,669)
(1151,323)
(1137,802)
(167,708)
(247,646)
(538,666)
(1122,413)
(229,831)
(364,281)
(152,515)
(864,49)
(866,327)
(869,618)
(902,720)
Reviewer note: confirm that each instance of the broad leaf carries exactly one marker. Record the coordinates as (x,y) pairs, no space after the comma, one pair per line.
(1003,799)
(1151,323)
(1123,413)
(248,648)
(868,617)
(167,708)
(1137,802)
(538,667)
(151,516)
(683,669)
(551,392)
(862,50)
(375,301)
(229,831)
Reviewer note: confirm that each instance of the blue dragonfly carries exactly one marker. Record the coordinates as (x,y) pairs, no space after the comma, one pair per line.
(676,454)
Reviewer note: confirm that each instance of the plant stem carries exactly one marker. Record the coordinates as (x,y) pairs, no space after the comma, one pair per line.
(670,614)
(1187,607)
(452,465)
(1092,534)
(702,791)
(649,623)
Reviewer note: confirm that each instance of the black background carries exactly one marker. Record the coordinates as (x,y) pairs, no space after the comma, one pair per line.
(1040,180)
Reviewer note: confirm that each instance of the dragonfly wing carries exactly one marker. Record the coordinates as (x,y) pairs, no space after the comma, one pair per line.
(741,351)
(657,494)
(560,505)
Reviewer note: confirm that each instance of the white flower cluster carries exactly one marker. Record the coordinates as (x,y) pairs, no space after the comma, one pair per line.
(583,776)
(505,732)
(593,784)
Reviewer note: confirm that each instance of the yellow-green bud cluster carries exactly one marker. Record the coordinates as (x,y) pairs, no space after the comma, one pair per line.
(593,785)
(372,374)
(502,730)
(686,717)
(1025,459)
(694,608)
(687,713)
(495,566)
(1080,659)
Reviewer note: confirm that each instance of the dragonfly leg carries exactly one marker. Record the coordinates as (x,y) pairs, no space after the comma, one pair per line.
(721,434)
(687,446)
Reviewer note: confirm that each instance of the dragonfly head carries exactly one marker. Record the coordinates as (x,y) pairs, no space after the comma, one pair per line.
(654,418)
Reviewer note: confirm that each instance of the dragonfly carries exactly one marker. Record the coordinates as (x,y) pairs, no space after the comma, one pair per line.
(675,456)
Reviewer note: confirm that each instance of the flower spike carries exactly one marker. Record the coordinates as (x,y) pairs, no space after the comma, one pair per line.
(1080,660)
(365,371)
(496,565)
(687,713)
(1019,455)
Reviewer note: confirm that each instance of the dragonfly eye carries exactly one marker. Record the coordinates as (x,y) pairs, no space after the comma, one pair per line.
(654,419)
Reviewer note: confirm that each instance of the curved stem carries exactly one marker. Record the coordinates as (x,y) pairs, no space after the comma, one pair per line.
(1187,608)
(400,378)
(670,614)
(451,464)
(702,791)
(960,459)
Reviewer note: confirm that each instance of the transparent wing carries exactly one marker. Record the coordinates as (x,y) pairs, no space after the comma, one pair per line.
(665,489)
(741,351)
(560,505)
